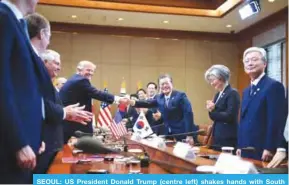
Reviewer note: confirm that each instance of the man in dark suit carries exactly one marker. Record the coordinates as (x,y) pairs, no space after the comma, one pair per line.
(262,111)
(224,109)
(24,83)
(52,133)
(282,150)
(174,106)
(78,89)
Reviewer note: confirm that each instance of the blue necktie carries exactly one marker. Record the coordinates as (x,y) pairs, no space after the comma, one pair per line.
(252,90)
(167,101)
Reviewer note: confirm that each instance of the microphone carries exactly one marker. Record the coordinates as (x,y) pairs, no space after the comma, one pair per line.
(79,134)
(159,125)
(249,148)
(91,145)
(193,133)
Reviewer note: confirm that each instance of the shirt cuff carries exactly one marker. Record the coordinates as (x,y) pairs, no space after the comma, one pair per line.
(64,114)
(116,99)
(281,150)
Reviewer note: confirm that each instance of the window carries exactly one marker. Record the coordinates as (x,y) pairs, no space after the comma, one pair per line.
(276,66)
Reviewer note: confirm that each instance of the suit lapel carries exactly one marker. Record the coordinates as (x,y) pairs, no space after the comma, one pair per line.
(248,98)
(223,95)
(216,97)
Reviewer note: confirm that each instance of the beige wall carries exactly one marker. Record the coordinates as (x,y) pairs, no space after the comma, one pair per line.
(143,59)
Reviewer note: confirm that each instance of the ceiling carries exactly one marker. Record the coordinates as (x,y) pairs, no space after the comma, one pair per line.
(156,20)
(208,4)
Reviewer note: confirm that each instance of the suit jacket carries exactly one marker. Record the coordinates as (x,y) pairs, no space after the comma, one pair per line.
(177,116)
(52,134)
(225,117)
(78,89)
(23,82)
(262,117)
(52,128)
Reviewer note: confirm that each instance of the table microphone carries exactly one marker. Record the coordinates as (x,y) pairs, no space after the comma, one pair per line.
(90,145)
(193,133)
(79,134)
(159,125)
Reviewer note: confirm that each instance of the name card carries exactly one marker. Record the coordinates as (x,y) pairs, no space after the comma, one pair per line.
(184,150)
(155,142)
(232,164)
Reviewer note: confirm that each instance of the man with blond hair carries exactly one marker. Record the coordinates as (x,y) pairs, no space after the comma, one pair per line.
(78,89)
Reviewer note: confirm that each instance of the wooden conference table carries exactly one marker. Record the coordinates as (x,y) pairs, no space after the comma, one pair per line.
(169,163)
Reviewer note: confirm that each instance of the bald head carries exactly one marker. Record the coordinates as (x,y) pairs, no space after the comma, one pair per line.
(86,69)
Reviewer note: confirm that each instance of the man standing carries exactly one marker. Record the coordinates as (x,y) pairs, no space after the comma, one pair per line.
(263,109)
(78,89)
(22,83)
(52,132)
(174,106)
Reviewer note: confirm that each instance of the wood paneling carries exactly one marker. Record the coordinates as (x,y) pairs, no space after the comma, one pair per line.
(243,78)
(140,32)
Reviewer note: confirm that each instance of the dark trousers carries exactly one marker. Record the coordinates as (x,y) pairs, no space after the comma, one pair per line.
(14,175)
(44,161)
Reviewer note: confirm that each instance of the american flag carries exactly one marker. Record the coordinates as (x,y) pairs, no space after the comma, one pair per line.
(105,119)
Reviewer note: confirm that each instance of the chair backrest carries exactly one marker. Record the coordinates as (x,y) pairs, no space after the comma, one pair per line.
(207,138)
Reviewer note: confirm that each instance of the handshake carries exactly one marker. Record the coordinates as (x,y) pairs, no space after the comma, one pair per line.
(125,101)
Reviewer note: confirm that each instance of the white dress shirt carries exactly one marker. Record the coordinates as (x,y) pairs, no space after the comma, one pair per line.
(18,14)
(257,80)
(221,93)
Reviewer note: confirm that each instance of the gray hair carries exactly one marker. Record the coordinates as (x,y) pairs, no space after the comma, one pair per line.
(219,71)
(165,76)
(49,55)
(83,63)
(256,49)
